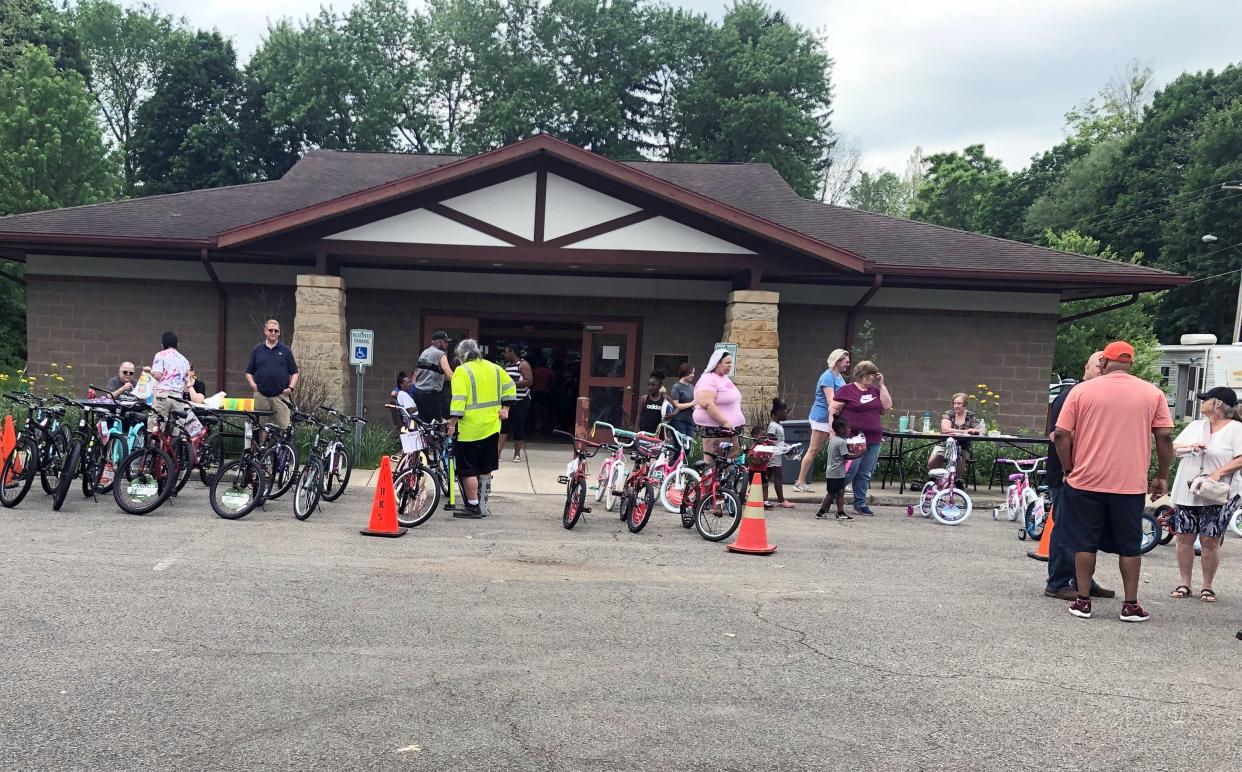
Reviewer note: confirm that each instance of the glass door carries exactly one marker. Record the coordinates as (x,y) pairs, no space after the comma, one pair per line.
(609,362)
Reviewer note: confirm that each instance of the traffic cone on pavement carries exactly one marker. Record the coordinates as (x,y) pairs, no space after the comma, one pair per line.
(752,535)
(384,506)
(8,440)
(1041,552)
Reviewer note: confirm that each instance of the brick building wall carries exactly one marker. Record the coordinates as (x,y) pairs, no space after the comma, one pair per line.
(927,356)
(95,324)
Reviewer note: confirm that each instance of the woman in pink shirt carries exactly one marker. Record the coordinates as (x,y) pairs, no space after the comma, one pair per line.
(717,402)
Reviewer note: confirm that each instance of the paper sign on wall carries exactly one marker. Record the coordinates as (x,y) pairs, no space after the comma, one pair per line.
(610,352)
(732,349)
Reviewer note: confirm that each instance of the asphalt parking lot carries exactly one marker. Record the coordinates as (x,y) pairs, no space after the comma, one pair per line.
(182,641)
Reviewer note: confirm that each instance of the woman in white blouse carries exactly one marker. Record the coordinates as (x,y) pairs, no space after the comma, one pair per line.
(1212,447)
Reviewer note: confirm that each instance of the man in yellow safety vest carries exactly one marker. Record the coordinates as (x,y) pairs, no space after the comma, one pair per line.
(482,391)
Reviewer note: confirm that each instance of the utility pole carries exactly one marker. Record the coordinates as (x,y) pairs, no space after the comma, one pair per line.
(1237,316)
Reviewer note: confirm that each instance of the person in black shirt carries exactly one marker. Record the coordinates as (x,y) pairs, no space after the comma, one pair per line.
(654,406)
(1060,582)
(273,374)
(195,391)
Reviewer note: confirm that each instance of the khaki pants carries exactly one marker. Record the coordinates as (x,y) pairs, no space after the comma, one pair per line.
(280,411)
(162,405)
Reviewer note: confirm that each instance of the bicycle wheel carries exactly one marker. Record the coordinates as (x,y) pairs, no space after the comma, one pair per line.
(237,488)
(673,488)
(1235,523)
(52,458)
(336,474)
(601,481)
(611,496)
(689,503)
(716,518)
(1151,534)
(1163,514)
(575,498)
(144,480)
(641,507)
(280,465)
(70,470)
(209,457)
(183,455)
(92,467)
(951,506)
(1034,520)
(417,496)
(18,472)
(309,488)
(925,497)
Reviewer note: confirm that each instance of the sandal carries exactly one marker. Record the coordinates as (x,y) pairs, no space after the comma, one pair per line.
(1180,591)
(1207,596)
(786,505)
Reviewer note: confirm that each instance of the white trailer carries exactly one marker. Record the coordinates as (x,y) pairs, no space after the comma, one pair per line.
(1196,364)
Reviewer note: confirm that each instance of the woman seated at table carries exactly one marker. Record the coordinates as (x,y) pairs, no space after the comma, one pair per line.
(957,420)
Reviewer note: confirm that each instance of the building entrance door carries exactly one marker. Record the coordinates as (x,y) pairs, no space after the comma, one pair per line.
(458,328)
(609,361)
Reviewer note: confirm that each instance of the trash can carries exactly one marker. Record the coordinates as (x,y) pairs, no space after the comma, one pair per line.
(795,431)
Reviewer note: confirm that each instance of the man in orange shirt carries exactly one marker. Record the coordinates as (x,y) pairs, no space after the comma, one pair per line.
(1103,440)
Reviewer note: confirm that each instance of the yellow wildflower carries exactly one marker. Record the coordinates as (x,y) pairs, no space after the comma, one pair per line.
(981,386)
(53,364)
(974,396)
(69,366)
(983,402)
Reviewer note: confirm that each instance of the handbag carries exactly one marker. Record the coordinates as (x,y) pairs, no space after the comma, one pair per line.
(1214,492)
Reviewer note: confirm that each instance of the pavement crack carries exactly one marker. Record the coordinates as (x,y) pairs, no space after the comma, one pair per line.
(803,641)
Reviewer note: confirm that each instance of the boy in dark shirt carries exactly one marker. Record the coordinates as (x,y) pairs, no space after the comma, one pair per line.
(838,454)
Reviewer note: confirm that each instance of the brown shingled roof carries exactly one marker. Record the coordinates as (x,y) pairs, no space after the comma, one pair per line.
(888,245)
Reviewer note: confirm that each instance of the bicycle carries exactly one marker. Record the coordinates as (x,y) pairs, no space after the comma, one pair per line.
(38,450)
(84,456)
(147,477)
(1023,499)
(239,485)
(612,471)
(414,485)
(638,493)
(122,432)
(670,471)
(337,462)
(940,497)
(278,457)
(711,505)
(575,478)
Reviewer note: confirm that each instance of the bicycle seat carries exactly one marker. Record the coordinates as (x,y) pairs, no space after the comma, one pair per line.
(724,447)
(208,419)
(133,416)
(1016,477)
(178,413)
(702,464)
(272,427)
(1041,488)
(939,474)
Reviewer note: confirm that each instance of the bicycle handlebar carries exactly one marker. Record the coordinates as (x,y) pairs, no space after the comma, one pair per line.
(1033,463)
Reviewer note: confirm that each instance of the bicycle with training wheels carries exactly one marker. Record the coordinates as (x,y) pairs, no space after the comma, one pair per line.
(575,478)
(941,498)
(240,485)
(1022,499)
(612,471)
(39,449)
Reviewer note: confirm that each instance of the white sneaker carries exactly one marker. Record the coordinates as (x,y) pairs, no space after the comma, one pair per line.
(802,487)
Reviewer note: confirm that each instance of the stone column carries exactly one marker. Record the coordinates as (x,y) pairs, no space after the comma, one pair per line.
(751,323)
(319,337)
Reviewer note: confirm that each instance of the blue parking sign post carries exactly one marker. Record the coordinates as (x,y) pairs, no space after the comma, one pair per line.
(361,355)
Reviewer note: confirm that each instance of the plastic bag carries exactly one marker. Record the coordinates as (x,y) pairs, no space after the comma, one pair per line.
(215,400)
(144,389)
(856,444)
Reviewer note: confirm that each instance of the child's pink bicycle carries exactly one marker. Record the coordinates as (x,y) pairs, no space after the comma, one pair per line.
(612,472)
(670,470)
(940,497)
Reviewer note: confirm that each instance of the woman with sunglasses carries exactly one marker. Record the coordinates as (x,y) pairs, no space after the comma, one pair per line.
(123,381)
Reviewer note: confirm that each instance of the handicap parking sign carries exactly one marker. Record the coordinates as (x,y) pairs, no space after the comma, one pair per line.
(361,348)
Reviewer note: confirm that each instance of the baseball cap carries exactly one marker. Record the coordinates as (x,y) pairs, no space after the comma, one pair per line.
(1223,393)
(440,335)
(1119,351)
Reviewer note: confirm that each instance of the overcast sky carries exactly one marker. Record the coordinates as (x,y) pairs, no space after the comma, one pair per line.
(941,73)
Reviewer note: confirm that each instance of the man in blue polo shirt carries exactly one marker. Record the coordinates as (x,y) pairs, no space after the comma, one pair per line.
(272,373)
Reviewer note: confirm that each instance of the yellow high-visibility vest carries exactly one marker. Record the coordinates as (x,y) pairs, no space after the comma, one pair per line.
(479,389)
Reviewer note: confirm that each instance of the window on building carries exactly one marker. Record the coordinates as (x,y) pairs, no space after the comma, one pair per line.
(668,363)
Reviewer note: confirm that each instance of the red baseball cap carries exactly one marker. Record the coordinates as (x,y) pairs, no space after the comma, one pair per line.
(1119,351)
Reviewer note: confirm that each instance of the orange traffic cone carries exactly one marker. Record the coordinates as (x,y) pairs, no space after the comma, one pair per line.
(8,441)
(1041,552)
(752,535)
(384,506)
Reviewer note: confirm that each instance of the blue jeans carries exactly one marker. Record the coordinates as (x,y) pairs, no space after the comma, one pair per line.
(860,473)
(1060,559)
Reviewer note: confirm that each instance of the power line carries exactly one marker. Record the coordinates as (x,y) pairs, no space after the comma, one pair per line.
(1141,215)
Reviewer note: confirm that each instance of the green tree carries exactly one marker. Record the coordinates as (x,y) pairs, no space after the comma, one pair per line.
(185,134)
(1206,306)
(52,155)
(126,49)
(1078,340)
(966,190)
(881,192)
(40,23)
(763,94)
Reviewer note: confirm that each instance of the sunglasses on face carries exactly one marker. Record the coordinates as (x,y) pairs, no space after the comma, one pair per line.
(127,372)
(275,331)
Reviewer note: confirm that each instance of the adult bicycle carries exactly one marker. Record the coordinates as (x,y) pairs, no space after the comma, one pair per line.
(39,449)
(239,484)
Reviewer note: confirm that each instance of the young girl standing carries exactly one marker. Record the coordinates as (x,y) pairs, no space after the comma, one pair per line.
(776,434)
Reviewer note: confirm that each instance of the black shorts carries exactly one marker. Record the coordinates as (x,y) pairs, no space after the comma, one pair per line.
(430,405)
(1100,522)
(719,432)
(515,425)
(477,458)
(836,484)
